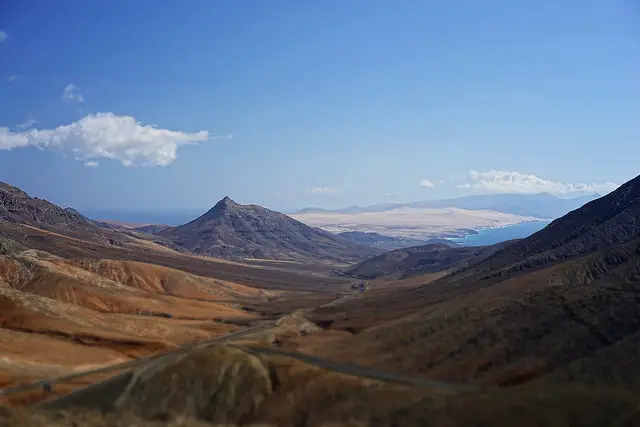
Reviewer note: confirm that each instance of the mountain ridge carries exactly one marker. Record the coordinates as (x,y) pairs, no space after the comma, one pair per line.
(232,230)
(541,205)
(381,241)
(558,306)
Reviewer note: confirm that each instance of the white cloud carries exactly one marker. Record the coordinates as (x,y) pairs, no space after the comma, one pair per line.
(3,36)
(72,93)
(320,190)
(494,181)
(9,140)
(91,164)
(425,183)
(105,135)
(26,124)
(14,77)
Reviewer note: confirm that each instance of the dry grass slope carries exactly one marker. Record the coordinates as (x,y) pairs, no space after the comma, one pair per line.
(221,386)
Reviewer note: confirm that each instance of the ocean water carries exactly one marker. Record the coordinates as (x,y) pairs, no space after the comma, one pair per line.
(171,217)
(490,236)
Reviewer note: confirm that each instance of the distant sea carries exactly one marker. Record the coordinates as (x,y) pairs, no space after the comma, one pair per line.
(168,217)
(490,236)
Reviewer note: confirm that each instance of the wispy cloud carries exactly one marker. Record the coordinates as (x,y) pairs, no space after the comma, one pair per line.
(14,77)
(3,36)
(227,136)
(320,190)
(425,183)
(26,124)
(72,93)
(495,181)
(91,164)
(106,135)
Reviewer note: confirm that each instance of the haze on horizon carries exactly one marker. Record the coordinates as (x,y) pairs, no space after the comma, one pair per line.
(127,105)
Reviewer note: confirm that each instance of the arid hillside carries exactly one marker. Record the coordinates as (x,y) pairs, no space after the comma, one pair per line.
(109,296)
(416,260)
(235,386)
(231,230)
(110,310)
(542,331)
(561,304)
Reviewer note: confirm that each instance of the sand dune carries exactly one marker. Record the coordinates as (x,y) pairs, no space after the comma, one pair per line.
(412,222)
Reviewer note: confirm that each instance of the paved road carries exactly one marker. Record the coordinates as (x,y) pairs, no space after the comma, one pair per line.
(335,302)
(133,363)
(359,371)
(355,370)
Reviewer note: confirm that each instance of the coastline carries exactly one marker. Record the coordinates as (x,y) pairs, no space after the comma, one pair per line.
(520,230)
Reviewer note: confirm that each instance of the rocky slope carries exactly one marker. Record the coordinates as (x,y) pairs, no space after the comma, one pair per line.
(378,240)
(431,258)
(17,206)
(226,386)
(597,226)
(560,306)
(231,230)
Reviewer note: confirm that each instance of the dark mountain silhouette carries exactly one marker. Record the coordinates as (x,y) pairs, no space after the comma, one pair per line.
(378,240)
(18,209)
(17,206)
(416,260)
(233,230)
(602,224)
(151,228)
(559,306)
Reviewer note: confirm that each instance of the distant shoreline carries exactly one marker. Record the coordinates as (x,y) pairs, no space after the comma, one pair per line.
(520,230)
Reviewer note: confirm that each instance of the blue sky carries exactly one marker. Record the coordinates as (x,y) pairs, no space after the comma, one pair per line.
(315,103)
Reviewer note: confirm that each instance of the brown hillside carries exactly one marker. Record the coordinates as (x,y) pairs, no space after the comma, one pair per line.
(562,304)
(409,262)
(231,230)
(224,386)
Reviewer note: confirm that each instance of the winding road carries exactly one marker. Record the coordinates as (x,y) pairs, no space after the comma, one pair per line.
(355,370)
(134,363)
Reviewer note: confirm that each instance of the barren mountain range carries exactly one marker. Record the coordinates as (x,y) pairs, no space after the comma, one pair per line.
(231,230)
(558,306)
(539,331)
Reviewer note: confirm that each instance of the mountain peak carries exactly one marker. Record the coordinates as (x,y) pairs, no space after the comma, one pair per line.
(232,230)
(226,202)
(10,190)
(16,206)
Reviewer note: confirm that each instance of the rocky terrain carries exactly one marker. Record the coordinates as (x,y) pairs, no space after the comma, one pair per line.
(557,307)
(18,207)
(416,260)
(240,386)
(74,295)
(231,230)
(378,240)
(539,331)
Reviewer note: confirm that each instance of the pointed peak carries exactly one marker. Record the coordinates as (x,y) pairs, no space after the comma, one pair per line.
(224,205)
(226,201)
